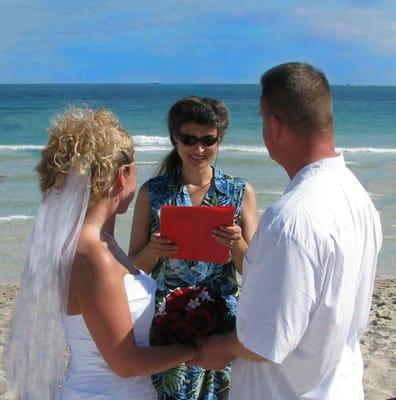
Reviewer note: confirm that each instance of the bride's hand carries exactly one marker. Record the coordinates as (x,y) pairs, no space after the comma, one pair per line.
(212,354)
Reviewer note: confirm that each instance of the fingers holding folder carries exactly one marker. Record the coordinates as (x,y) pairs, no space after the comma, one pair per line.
(228,236)
(161,246)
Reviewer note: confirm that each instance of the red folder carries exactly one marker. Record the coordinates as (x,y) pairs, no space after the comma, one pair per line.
(190,228)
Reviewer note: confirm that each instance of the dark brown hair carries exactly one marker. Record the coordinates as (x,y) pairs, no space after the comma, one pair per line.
(200,110)
(300,95)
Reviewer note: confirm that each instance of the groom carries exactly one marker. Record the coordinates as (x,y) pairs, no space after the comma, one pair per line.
(309,271)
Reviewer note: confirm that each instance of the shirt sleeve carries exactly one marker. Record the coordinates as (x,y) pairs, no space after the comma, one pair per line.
(278,294)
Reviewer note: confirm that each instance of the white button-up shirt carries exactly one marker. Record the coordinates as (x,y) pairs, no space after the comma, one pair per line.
(307,284)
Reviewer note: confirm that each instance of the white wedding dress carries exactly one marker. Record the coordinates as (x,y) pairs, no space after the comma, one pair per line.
(88,376)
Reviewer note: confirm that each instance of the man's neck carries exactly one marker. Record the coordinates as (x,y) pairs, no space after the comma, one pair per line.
(307,152)
(293,170)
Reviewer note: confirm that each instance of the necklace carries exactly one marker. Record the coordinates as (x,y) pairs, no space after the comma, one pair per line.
(93,223)
(88,222)
(197,190)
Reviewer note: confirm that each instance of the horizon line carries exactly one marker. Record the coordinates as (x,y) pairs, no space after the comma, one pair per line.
(154,83)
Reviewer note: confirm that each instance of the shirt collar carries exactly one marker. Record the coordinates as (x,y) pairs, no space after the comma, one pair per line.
(311,169)
(220,180)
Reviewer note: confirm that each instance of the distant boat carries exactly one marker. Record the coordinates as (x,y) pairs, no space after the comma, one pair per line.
(154,83)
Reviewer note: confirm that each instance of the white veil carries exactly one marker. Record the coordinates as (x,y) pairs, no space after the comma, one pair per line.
(34,356)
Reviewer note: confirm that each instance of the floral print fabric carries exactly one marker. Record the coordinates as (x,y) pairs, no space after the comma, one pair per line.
(193,383)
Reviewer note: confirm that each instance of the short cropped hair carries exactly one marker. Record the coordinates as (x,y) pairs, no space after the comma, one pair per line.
(300,95)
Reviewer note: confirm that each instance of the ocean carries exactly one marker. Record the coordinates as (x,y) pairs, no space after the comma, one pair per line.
(365,126)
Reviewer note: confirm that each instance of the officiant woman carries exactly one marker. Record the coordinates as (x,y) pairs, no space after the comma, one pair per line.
(188,176)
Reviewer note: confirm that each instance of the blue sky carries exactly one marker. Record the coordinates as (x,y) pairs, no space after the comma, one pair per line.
(234,41)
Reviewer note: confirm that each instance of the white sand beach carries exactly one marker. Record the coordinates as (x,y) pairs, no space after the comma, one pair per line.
(378,344)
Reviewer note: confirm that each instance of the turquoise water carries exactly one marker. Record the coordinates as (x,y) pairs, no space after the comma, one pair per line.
(365,125)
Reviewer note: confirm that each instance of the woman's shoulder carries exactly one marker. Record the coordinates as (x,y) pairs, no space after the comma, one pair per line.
(223,178)
(160,186)
(93,259)
(220,174)
(159,180)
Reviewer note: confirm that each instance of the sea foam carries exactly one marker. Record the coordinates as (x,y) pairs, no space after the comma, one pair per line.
(10,218)
(366,150)
(144,140)
(146,143)
(20,147)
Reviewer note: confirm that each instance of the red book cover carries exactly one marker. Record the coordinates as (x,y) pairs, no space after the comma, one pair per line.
(190,228)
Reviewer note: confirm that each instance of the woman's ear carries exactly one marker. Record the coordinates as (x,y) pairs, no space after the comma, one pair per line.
(121,178)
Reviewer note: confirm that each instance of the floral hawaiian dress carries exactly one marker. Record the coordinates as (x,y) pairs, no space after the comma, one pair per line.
(193,383)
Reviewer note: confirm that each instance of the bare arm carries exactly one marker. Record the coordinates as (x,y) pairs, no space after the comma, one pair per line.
(144,248)
(239,350)
(97,278)
(238,238)
(249,218)
(220,350)
(249,221)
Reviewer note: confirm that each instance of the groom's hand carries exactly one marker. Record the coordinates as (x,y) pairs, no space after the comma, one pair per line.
(214,353)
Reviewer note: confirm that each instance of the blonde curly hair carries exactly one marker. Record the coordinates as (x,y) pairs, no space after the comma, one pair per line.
(85,140)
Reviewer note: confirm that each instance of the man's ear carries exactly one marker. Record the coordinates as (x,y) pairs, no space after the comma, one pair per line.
(277,128)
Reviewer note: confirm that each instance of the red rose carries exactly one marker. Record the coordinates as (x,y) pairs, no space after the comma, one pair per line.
(220,307)
(181,332)
(178,299)
(180,323)
(202,321)
(177,304)
(187,291)
(160,332)
(162,326)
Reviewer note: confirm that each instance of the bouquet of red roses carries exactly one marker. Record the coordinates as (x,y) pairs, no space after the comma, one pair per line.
(188,315)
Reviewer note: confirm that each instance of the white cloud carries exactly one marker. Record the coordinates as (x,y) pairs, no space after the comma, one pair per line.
(374,28)
(305,11)
(45,26)
(76,32)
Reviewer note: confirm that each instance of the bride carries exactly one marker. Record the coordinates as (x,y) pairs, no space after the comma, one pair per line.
(77,279)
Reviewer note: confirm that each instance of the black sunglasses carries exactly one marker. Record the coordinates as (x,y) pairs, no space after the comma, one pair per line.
(191,140)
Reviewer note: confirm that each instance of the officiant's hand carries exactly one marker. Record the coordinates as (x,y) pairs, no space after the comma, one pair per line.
(160,246)
(228,236)
(231,237)
(213,354)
